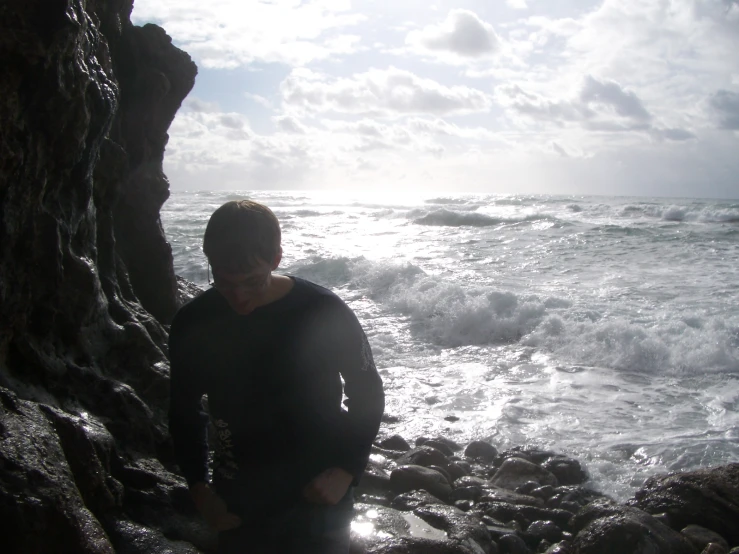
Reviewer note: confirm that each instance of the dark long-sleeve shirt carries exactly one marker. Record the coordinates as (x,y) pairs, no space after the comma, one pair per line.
(273,380)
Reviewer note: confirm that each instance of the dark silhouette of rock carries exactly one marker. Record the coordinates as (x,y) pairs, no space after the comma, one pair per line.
(408,478)
(707,497)
(606,528)
(85,102)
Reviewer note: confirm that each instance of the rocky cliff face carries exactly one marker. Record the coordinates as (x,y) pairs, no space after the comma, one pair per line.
(86,280)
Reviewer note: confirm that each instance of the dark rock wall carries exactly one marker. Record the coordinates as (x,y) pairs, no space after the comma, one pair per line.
(86,279)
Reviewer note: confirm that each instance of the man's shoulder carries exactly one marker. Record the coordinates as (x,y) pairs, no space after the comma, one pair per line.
(200,307)
(320,295)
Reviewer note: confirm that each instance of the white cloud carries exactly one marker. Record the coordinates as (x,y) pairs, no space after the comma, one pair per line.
(462,34)
(233,33)
(390,92)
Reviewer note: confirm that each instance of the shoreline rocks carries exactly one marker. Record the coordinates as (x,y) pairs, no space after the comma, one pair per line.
(525,501)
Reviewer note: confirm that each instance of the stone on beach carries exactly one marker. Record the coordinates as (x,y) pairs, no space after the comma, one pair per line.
(517,471)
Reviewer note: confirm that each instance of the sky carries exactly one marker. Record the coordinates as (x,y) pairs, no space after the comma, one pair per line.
(613,97)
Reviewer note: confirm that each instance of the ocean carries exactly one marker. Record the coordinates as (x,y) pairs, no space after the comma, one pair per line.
(603,328)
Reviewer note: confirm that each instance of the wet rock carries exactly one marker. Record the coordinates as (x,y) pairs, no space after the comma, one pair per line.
(395,442)
(464,505)
(39,498)
(605,528)
(471,481)
(423,456)
(440,446)
(527,487)
(529,453)
(540,531)
(441,470)
(517,471)
(563,547)
(567,470)
(409,501)
(503,495)
(385,453)
(524,515)
(412,477)
(456,470)
(700,537)
(576,494)
(512,544)
(374,481)
(132,538)
(545,492)
(481,450)
(462,528)
(379,530)
(707,497)
(451,418)
(87,279)
(714,548)
(466,493)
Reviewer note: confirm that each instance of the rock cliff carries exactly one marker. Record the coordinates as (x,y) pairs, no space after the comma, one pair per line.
(86,280)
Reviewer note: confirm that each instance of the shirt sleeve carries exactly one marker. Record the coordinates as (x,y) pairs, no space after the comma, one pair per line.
(345,351)
(188,423)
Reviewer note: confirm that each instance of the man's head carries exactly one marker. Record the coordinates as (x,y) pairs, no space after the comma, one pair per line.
(242,244)
(242,235)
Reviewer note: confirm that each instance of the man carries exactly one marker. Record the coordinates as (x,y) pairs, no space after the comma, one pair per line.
(270,352)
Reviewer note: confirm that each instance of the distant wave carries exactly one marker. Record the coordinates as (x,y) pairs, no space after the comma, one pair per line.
(690,213)
(448,218)
(450,200)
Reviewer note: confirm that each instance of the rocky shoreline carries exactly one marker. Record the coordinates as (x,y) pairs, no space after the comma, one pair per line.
(440,497)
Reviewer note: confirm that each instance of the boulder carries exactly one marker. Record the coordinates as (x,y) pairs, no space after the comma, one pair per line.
(462,528)
(701,537)
(481,450)
(423,456)
(411,477)
(517,471)
(395,442)
(606,528)
(707,497)
(567,470)
(374,480)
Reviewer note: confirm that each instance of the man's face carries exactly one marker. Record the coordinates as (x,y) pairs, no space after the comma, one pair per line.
(243,291)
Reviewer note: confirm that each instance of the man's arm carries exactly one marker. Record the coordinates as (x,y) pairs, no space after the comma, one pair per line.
(188,423)
(341,349)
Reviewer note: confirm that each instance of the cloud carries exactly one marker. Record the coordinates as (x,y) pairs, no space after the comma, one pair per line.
(610,94)
(725,105)
(390,92)
(288,124)
(599,106)
(234,33)
(517,4)
(463,34)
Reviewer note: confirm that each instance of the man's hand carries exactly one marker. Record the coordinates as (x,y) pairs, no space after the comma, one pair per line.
(213,508)
(329,487)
